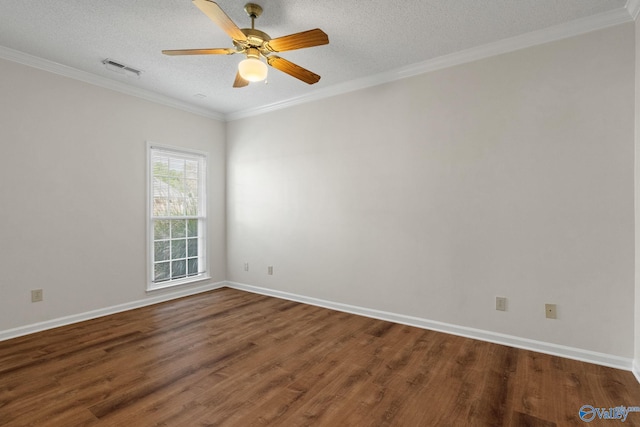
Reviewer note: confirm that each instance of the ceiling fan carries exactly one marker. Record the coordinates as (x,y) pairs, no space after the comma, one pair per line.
(256,45)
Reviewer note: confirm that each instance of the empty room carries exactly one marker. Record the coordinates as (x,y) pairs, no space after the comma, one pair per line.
(335,213)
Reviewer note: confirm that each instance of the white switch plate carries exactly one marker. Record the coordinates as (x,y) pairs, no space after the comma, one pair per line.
(501,303)
(270,270)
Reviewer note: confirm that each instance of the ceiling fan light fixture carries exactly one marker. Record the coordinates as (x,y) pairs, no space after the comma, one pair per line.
(256,45)
(252,69)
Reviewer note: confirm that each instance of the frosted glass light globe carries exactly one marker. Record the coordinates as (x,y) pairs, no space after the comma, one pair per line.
(252,69)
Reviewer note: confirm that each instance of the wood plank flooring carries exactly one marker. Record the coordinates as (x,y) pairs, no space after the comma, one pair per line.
(231,358)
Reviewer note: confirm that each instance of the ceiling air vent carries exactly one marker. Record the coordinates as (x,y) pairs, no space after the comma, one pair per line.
(118,67)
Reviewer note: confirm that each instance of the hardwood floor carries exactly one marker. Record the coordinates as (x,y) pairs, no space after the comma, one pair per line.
(233,358)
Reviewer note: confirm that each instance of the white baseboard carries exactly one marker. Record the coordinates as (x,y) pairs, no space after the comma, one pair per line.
(494,337)
(54,323)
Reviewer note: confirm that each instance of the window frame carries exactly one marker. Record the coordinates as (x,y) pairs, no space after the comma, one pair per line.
(202,216)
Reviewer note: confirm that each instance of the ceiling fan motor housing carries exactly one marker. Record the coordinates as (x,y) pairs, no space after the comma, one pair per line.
(255,36)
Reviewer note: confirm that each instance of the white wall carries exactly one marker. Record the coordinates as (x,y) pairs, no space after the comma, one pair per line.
(509,176)
(430,196)
(72,193)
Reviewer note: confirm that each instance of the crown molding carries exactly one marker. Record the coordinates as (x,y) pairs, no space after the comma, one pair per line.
(570,29)
(547,35)
(94,79)
(633,7)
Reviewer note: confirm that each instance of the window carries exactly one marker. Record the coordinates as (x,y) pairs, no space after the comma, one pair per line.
(177,216)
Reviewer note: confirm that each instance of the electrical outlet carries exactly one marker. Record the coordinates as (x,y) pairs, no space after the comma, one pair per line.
(270,270)
(550,311)
(36,295)
(501,304)
(246,266)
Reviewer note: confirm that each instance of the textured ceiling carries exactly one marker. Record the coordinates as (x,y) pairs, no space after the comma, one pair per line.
(366,38)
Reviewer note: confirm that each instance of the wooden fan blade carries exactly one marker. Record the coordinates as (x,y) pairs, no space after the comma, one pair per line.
(301,40)
(215,51)
(293,70)
(240,82)
(217,15)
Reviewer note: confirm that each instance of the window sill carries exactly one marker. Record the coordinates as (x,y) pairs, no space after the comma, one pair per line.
(176,283)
